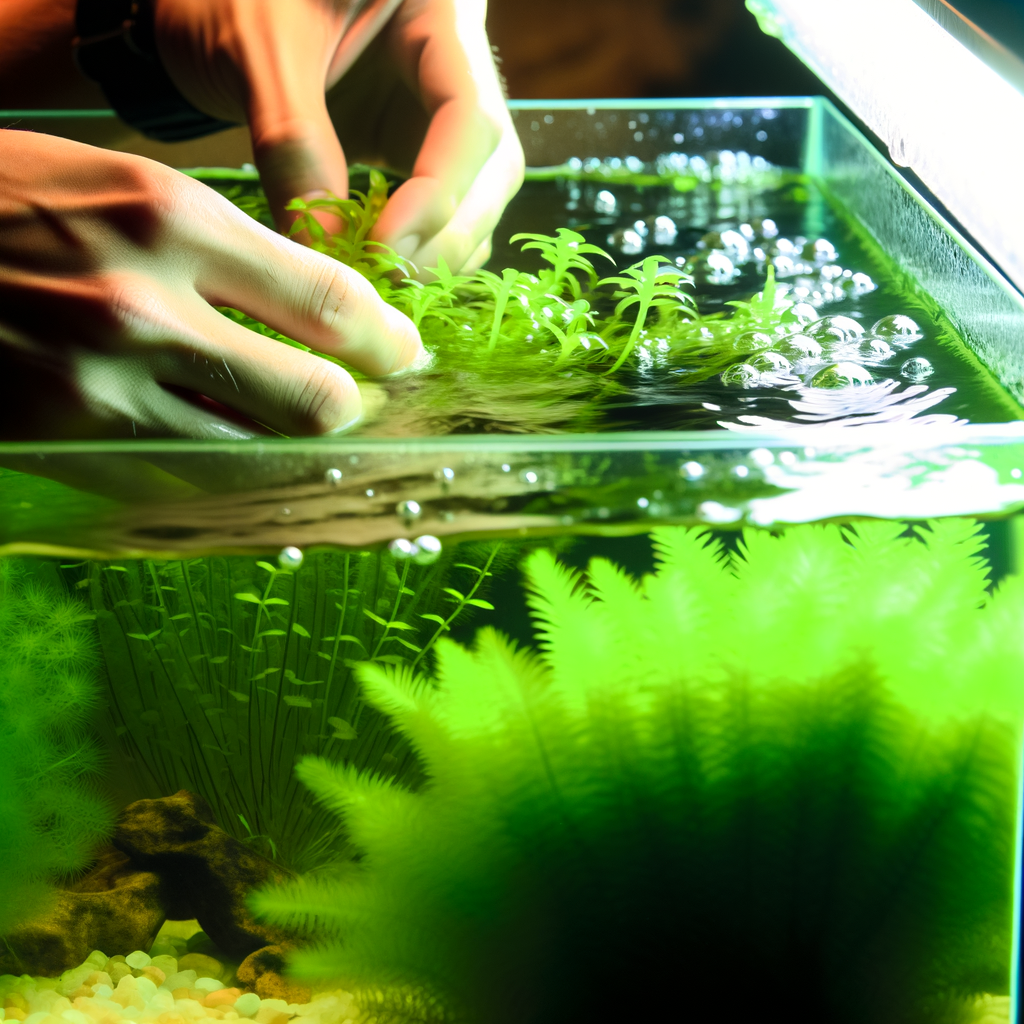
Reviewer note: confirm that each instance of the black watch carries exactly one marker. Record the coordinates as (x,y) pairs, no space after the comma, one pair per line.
(116,47)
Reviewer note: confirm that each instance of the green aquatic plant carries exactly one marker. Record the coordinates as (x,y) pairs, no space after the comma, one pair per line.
(775,784)
(223,671)
(648,285)
(565,251)
(52,817)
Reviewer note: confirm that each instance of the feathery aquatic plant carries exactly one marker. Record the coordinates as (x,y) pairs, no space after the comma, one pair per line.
(777,785)
(51,816)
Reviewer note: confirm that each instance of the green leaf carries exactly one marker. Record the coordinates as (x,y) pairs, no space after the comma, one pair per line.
(395,624)
(434,618)
(342,729)
(266,672)
(219,660)
(183,615)
(478,603)
(455,593)
(374,616)
(300,629)
(276,600)
(297,702)
(247,598)
(267,566)
(145,636)
(242,698)
(271,632)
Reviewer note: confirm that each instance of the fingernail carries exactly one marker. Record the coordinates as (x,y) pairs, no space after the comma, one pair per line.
(405,247)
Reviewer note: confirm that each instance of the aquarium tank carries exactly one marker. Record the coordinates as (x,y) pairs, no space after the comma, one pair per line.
(655,650)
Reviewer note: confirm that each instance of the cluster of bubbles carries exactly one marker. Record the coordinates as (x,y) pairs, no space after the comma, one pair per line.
(423,550)
(831,352)
(726,166)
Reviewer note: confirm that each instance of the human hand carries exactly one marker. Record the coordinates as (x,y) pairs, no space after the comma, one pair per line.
(110,268)
(428,78)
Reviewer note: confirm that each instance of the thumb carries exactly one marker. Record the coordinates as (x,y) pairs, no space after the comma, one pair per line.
(296,150)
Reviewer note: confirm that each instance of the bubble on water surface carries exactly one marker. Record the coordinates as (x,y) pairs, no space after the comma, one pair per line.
(771,362)
(835,328)
(841,375)
(766,228)
(741,375)
(290,558)
(804,312)
(752,341)
(917,369)
(716,512)
(401,547)
(627,240)
(665,231)
(332,477)
(862,284)
(875,349)
(605,202)
(799,346)
(820,251)
(691,470)
(409,510)
(896,326)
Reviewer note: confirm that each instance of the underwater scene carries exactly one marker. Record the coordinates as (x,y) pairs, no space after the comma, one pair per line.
(611,669)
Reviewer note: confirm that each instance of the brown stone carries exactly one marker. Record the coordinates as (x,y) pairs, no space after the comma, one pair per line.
(112,907)
(263,972)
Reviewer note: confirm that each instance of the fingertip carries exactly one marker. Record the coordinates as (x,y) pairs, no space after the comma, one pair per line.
(329,403)
(408,345)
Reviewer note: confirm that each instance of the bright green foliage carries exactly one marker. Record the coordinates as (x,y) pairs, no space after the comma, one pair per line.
(565,252)
(648,285)
(352,246)
(224,671)
(775,786)
(51,817)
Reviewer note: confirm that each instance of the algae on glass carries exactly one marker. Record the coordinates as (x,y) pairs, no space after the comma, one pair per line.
(49,693)
(775,784)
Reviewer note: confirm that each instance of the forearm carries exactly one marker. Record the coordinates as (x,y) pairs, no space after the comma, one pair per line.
(37,69)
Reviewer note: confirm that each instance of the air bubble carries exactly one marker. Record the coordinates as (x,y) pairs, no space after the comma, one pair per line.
(804,312)
(917,369)
(409,510)
(627,240)
(428,549)
(837,328)
(402,548)
(771,362)
(665,231)
(767,228)
(862,284)
(752,341)
(290,558)
(734,245)
(841,375)
(820,251)
(605,203)
(799,346)
(875,349)
(896,326)
(332,477)
(762,457)
(528,476)
(741,375)
(716,512)
(691,470)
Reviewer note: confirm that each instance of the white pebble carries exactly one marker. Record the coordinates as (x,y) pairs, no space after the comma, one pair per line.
(247,1005)
(209,984)
(138,960)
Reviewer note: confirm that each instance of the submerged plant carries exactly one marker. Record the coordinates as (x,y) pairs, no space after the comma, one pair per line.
(222,672)
(776,785)
(52,818)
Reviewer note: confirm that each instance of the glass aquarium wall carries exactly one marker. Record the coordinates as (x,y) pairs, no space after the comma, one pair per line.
(658,646)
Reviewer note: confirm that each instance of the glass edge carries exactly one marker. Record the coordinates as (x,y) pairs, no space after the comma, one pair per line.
(670,103)
(54,114)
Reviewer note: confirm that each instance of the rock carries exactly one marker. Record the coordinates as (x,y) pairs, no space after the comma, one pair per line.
(208,875)
(114,906)
(263,970)
(204,966)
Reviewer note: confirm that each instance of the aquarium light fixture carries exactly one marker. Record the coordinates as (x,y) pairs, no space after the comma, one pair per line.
(941,109)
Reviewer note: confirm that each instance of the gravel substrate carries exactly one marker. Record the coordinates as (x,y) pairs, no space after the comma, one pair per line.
(157,989)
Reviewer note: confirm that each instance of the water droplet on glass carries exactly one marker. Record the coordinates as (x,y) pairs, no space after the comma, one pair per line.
(798,346)
(836,328)
(428,549)
(409,510)
(332,477)
(605,202)
(741,375)
(691,470)
(896,326)
(771,362)
(665,231)
(290,558)
(917,369)
(841,375)
(400,547)
(752,341)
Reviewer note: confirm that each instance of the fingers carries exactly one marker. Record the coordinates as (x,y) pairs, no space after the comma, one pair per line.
(303,295)
(442,48)
(291,391)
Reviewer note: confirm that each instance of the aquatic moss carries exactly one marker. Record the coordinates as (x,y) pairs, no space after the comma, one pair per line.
(222,672)
(52,818)
(776,785)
